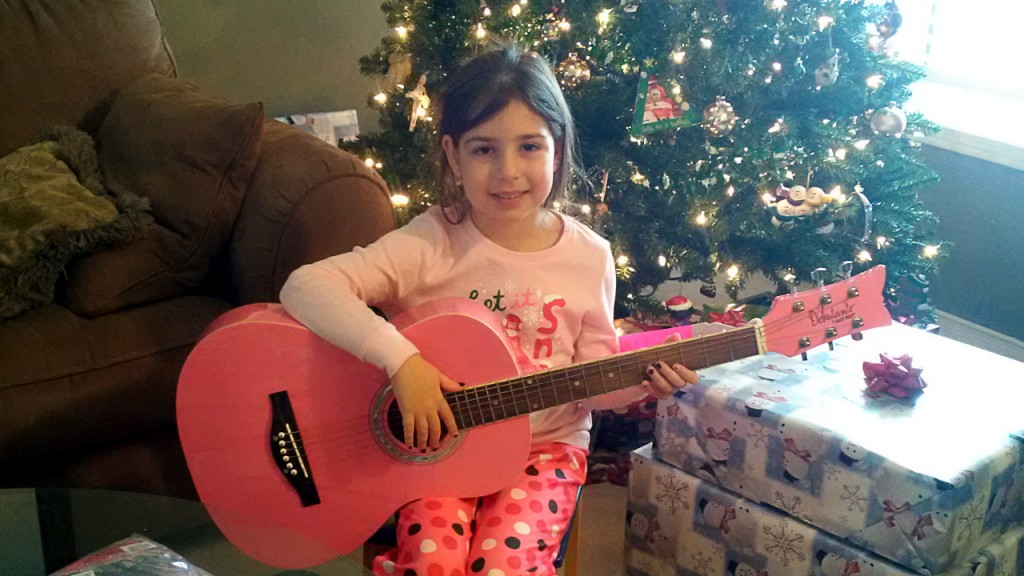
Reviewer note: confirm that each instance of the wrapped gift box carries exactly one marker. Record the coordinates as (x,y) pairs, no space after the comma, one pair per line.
(923,482)
(680,525)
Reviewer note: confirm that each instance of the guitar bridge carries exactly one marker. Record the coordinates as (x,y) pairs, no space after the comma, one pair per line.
(288,451)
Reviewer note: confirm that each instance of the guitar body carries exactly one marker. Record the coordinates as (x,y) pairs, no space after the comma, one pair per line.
(361,471)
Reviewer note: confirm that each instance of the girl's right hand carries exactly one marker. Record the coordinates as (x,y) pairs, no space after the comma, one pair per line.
(419,390)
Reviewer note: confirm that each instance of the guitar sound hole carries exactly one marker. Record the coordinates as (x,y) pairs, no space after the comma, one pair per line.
(396,428)
(395,423)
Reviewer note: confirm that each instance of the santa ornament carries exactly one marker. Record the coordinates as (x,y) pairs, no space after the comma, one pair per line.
(681,310)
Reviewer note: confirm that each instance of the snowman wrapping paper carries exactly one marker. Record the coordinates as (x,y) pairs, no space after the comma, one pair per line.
(680,525)
(923,483)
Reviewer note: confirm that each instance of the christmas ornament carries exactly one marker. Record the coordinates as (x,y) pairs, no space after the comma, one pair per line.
(420,101)
(890,21)
(399,68)
(708,289)
(681,310)
(889,121)
(910,301)
(572,72)
(656,110)
(827,73)
(858,193)
(550,29)
(796,201)
(719,118)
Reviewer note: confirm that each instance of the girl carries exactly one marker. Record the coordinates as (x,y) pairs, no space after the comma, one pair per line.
(505,154)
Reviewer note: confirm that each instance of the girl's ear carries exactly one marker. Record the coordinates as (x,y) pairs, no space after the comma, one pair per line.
(559,146)
(451,154)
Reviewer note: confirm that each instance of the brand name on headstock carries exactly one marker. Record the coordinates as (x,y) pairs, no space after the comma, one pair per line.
(832,315)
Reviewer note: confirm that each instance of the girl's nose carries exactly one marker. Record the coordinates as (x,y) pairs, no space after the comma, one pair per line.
(508,165)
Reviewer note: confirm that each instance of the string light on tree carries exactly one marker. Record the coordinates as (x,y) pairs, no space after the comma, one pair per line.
(604,18)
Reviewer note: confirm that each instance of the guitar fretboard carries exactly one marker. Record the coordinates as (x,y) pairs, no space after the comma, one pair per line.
(549,388)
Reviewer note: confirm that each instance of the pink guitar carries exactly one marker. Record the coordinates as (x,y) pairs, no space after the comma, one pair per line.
(294,445)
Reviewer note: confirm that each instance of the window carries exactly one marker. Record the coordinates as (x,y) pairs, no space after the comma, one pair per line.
(974,88)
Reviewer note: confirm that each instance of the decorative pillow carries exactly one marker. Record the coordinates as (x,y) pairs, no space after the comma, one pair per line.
(52,208)
(192,155)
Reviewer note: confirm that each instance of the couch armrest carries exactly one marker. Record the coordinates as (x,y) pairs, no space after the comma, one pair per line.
(308,200)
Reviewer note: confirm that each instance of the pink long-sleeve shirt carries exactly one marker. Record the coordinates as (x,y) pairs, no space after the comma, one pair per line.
(555,304)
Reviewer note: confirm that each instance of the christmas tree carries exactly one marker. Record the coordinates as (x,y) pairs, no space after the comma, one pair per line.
(720,138)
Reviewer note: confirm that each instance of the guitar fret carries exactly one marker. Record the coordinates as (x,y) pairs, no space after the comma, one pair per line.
(554,388)
(469,408)
(501,400)
(490,404)
(531,390)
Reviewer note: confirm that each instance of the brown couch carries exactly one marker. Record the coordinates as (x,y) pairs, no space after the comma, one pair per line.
(87,383)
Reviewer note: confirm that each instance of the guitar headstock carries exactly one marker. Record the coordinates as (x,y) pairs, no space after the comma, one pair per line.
(800,321)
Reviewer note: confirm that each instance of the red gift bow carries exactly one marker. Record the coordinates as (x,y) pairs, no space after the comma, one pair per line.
(896,377)
(732,317)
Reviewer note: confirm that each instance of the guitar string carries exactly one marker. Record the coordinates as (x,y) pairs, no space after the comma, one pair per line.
(479,400)
(549,387)
(482,396)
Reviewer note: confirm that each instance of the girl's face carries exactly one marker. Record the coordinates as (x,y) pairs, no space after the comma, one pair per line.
(506,166)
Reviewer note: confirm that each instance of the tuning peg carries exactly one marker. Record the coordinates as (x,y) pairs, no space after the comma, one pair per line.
(857,336)
(846,270)
(803,356)
(818,277)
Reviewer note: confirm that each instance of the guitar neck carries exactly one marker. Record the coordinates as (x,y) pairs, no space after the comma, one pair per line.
(549,388)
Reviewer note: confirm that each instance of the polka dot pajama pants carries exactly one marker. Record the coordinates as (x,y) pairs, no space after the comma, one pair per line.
(515,531)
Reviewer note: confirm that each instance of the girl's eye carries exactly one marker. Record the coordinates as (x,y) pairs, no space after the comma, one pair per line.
(482,150)
(531,147)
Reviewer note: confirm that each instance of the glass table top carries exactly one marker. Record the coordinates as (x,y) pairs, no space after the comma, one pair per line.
(43,530)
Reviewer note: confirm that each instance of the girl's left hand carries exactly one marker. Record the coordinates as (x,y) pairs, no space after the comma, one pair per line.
(663,379)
